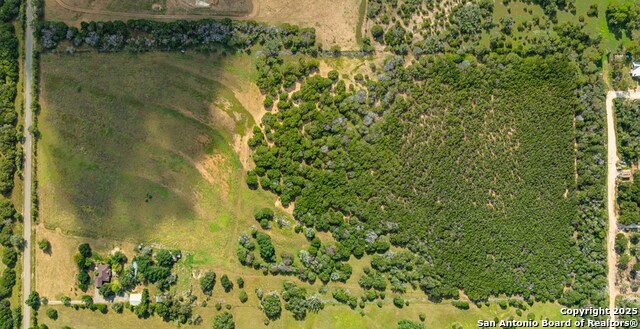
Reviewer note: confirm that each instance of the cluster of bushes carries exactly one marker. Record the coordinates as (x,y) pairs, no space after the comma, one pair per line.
(176,309)
(628,130)
(271,305)
(627,304)
(297,301)
(404,269)
(623,15)
(156,267)
(324,262)
(345,297)
(204,35)
(85,263)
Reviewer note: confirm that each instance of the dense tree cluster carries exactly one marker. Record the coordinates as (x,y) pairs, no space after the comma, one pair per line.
(224,320)
(10,159)
(205,35)
(628,130)
(413,159)
(324,262)
(623,15)
(271,305)
(627,316)
(628,135)
(629,201)
(344,296)
(156,268)
(317,143)
(297,301)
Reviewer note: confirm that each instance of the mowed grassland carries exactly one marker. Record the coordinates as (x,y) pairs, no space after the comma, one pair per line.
(141,149)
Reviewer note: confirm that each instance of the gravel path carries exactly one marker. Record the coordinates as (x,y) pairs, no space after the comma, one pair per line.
(28,166)
(612,173)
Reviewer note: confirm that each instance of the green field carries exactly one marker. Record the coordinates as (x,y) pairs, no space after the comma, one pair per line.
(139,149)
(438,316)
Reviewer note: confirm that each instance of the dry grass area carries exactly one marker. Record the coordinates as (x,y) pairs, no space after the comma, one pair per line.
(177,134)
(335,21)
(56,271)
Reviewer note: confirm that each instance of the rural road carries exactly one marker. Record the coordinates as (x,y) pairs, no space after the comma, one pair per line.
(612,173)
(28,167)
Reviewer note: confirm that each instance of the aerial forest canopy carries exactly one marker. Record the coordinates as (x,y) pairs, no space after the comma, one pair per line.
(469,166)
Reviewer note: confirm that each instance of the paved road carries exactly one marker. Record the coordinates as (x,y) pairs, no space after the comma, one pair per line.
(612,173)
(28,166)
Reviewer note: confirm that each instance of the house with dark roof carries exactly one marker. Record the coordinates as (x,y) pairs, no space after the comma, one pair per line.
(103,275)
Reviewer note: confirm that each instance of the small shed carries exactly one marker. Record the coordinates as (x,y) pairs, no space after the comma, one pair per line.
(635,70)
(626,174)
(135,299)
(103,274)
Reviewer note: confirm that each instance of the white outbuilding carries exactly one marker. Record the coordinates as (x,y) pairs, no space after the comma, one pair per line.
(635,70)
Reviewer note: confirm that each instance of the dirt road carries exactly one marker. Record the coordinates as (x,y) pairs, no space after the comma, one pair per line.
(28,166)
(612,173)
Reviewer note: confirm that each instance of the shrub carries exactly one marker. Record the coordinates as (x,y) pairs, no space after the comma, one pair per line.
(243,296)
(208,282)
(226,283)
(52,314)
(44,245)
(224,321)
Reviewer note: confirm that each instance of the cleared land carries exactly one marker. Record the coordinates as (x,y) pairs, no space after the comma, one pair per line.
(155,164)
(238,8)
(335,21)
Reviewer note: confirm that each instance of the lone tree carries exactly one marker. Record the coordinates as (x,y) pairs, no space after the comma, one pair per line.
(52,314)
(44,245)
(85,250)
(226,283)
(264,216)
(272,306)
(34,300)
(207,282)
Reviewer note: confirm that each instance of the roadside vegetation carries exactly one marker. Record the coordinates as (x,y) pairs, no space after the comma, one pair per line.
(11,242)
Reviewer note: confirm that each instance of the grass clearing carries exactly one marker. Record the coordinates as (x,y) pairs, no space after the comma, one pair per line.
(333,316)
(156,164)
